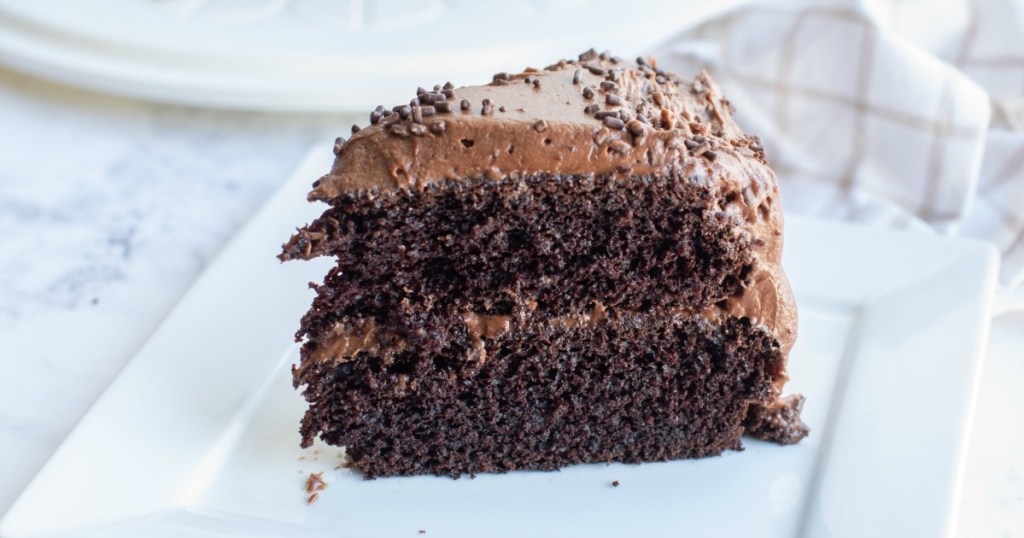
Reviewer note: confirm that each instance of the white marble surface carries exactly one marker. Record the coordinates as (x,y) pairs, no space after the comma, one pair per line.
(110,208)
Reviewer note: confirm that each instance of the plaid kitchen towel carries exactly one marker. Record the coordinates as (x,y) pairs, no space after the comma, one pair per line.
(904,113)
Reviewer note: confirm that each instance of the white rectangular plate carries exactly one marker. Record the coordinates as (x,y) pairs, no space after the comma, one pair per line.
(198,435)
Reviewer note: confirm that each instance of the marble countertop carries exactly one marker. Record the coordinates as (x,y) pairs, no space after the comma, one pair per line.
(110,208)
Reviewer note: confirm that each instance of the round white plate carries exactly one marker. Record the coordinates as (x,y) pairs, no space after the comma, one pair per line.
(315,55)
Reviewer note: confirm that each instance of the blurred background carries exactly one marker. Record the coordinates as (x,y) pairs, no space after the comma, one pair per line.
(137,136)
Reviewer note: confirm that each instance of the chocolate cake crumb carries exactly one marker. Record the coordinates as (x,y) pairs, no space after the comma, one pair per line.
(312,498)
(778,423)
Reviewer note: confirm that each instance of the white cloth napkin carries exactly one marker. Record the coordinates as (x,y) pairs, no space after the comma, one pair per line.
(903,113)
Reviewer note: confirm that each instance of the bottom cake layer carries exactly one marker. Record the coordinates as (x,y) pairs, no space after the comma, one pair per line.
(631,389)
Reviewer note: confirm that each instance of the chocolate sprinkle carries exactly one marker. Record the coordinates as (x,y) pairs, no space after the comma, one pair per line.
(502,77)
(590,109)
(588,93)
(618,147)
(613,99)
(667,121)
(443,106)
(355,129)
(448,86)
(540,126)
(690,144)
(609,86)
(606,114)
(577,76)
(374,117)
(420,91)
(636,128)
(614,123)
(501,108)
(487,110)
(338,143)
(701,149)
(438,127)
(399,130)
(431,98)
(428,110)
(595,70)
(709,155)
(465,104)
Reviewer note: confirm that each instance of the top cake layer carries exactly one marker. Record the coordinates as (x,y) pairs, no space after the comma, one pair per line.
(594,115)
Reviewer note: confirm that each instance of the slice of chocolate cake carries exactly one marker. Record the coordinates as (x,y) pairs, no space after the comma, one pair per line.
(575,264)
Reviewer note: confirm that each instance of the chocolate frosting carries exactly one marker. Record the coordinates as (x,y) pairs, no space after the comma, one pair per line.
(593,115)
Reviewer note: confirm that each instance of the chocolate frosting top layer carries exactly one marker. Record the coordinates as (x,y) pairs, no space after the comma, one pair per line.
(593,115)
(640,121)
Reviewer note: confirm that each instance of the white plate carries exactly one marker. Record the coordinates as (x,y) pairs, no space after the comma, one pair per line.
(198,435)
(315,55)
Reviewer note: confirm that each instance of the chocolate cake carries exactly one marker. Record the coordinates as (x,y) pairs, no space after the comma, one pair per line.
(574,264)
